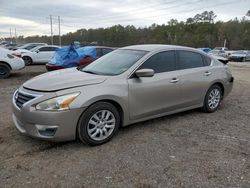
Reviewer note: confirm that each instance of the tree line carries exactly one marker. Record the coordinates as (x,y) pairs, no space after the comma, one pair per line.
(198,31)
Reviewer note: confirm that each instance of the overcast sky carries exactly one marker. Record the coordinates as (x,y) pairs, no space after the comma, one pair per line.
(30,17)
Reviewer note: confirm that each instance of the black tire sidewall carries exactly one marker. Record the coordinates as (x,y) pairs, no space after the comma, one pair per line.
(25,61)
(206,107)
(84,119)
(7,69)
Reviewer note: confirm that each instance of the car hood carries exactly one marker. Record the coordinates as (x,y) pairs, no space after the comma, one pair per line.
(62,79)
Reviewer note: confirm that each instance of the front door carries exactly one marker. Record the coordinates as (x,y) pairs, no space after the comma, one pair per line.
(150,96)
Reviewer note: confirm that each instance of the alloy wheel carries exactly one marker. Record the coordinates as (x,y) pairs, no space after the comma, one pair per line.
(101,125)
(214,98)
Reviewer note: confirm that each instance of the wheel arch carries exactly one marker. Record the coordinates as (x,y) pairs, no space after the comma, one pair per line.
(5,63)
(220,85)
(28,57)
(116,104)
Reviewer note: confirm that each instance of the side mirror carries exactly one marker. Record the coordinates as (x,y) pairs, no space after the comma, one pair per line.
(37,51)
(145,73)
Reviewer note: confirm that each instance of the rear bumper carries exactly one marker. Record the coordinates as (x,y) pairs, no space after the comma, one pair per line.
(17,64)
(228,86)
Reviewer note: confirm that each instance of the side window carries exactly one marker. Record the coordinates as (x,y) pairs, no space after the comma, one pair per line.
(161,62)
(52,49)
(207,60)
(44,49)
(98,52)
(48,49)
(189,60)
(106,50)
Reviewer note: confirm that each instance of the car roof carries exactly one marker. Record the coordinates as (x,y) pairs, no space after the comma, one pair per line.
(101,47)
(48,46)
(154,47)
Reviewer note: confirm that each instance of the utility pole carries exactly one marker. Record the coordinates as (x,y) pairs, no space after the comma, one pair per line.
(10,36)
(15,36)
(225,43)
(51,29)
(59,30)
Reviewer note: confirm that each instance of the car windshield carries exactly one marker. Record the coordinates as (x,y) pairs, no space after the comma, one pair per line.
(29,47)
(33,49)
(115,62)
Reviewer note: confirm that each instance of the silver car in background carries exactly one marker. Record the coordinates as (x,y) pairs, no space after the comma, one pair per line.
(128,85)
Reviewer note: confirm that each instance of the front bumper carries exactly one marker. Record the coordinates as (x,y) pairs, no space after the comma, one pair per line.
(46,125)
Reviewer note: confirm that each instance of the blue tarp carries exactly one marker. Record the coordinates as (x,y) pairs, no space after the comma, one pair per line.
(68,56)
(205,49)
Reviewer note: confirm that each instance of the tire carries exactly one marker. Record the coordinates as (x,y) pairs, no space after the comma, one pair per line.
(27,60)
(95,120)
(212,99)
(4,71)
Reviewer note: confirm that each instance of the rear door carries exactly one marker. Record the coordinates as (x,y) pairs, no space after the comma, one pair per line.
(158,94)
(41,54)
(195,77)
(46,53)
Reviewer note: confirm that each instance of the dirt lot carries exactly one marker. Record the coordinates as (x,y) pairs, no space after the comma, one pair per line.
(190,149)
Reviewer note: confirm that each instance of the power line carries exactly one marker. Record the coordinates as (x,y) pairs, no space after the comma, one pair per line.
(135,10)
(186,11)
(114,17)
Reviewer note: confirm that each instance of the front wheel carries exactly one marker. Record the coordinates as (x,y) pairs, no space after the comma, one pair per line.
(27,60)
(212,99)
(98,124)
(4,71)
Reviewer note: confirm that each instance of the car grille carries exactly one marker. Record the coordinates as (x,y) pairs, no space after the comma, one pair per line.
(22,98)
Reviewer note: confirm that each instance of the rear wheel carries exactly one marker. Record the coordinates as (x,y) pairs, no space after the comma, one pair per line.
(27,60)
(4,71)
(212,99)
(98,124)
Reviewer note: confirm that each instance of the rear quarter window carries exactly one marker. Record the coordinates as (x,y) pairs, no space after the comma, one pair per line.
(207,60)
(189,60)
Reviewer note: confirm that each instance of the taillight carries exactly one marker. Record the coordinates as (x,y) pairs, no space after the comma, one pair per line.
(17,55)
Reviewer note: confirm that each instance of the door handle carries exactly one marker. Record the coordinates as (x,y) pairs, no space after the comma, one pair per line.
(207,73)
(174,80)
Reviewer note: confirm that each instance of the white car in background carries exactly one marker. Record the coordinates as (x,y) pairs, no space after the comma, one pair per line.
(9,62)
(29,46)
(40,54)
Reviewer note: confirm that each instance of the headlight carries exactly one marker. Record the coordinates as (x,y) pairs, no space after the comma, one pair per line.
(57,103)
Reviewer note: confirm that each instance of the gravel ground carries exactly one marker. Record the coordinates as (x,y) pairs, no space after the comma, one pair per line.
(189,149)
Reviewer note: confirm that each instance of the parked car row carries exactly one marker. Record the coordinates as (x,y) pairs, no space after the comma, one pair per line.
(225,55)
(9,62)
(56,57)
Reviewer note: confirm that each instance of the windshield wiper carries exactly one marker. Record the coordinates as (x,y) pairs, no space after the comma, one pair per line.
(90,72)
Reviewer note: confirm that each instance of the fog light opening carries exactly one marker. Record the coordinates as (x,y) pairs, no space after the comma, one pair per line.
(48,131)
